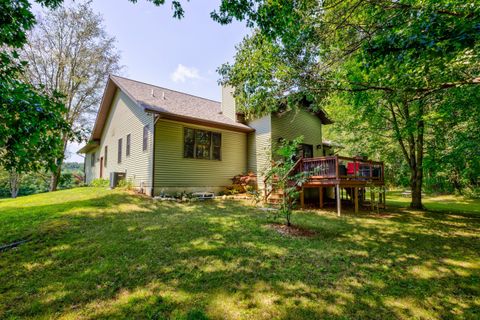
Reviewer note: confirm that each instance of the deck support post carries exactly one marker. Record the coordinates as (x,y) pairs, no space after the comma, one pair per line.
(384,198)
(320,190)
(371,198)
(355,191)
(339,201)
(302,198)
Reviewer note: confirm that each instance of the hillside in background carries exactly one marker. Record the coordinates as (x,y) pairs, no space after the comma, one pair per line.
(72,176)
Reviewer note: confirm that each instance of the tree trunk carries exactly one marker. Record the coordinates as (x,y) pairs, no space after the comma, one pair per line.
(456,180)
(414,154)
(14,181)
(417,173)
(56,174)
(55,178)
(416,186)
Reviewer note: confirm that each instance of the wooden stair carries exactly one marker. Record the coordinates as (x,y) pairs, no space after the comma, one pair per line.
(275,197)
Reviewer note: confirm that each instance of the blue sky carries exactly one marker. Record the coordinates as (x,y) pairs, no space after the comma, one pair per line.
(177,54)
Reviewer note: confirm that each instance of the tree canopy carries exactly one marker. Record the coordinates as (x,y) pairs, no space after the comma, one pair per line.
(411,47)
(30,126)
(397,63)
(37,119)
(68,51)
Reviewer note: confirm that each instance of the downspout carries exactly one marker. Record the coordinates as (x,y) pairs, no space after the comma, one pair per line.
(155,120)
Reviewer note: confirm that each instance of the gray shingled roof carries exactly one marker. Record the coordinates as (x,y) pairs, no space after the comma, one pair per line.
(169,102)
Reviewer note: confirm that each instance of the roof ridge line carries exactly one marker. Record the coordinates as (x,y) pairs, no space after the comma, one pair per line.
(154,85)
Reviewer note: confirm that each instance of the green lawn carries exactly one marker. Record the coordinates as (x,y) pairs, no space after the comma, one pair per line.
(445,203)
(104,254)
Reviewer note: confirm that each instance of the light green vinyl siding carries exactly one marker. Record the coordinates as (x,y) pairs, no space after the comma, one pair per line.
(91,172)
(252,152)
(124,118)
(298,123)
(259,147)
(173,170)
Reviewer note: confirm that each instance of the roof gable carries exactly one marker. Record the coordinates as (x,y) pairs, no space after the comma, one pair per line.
(302,101)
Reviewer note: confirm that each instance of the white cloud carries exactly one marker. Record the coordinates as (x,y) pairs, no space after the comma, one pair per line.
(184,73)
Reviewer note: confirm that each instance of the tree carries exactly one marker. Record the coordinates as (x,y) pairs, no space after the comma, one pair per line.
(69,52)
(30,123)
(31,117)
(393,60)
(280,177)
(452,158)
(360,135)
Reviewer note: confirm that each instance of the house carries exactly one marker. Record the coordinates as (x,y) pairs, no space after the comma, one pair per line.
(167,141)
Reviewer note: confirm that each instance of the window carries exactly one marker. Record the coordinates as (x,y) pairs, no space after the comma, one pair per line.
(145,137)
(92,160)
(216,146)
(202,144)
(119,150)
(327,151)
(105,157)
(189,143)
(127,147)
(305,150)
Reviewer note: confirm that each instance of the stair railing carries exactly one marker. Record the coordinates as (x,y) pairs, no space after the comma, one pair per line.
(267,191)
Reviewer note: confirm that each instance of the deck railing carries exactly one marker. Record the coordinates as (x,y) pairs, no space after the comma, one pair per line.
(335,168)
(339,167)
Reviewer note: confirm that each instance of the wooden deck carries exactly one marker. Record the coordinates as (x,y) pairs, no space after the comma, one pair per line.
(338,170)
(354,175)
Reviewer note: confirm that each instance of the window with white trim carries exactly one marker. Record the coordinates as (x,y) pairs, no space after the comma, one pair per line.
(145,137)
(127,146)
(120,150)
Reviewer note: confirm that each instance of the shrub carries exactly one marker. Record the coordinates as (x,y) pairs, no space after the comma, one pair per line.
(125,184)
(256,195)
(234,189)
(471,192)
(66,181)
(100,183)
(278,177)
(242,183)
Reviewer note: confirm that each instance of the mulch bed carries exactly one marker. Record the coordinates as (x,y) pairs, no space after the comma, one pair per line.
(291,231)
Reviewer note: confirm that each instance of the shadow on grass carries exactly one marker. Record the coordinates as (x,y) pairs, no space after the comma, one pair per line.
(122,256)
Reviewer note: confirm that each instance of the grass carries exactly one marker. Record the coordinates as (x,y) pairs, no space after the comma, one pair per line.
(444,203)
(103,254)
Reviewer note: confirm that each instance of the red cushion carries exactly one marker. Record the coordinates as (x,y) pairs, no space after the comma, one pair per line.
(351,167)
